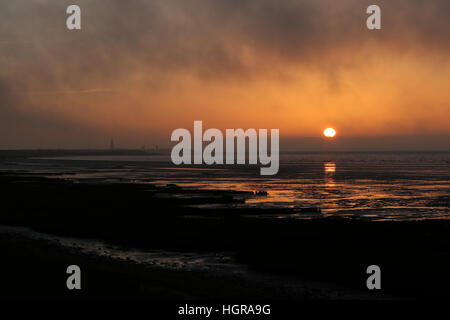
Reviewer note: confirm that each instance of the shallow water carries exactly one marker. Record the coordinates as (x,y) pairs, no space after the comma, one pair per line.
(215,264)
(378,186)
(169,260)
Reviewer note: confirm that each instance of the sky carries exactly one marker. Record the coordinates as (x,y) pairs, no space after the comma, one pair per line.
(139,69)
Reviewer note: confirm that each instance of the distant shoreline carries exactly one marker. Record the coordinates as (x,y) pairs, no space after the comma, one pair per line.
(29,153)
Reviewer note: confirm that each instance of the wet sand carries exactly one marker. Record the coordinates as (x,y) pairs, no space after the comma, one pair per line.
(36,269)
(325,258)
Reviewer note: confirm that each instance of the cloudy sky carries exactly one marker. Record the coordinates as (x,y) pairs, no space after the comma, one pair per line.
(139,69)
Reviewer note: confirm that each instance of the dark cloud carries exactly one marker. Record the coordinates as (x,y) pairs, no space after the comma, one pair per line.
(212,40)
(208,36)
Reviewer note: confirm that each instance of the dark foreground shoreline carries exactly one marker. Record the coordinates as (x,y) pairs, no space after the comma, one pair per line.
(329,255)
(36,269)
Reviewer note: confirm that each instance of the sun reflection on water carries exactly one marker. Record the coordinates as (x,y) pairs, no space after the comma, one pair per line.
(330,170)
(330,167)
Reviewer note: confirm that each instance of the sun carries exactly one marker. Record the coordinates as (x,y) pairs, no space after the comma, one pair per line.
(329,132)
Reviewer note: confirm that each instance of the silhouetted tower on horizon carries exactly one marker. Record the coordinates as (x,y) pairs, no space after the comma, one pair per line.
(111,144)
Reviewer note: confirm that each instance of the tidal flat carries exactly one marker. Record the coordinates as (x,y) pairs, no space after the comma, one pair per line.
(265,254)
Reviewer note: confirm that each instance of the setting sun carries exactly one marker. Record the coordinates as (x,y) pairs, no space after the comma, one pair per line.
(329,132)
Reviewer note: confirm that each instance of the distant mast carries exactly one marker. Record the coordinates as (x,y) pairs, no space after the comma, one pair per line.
(111,144)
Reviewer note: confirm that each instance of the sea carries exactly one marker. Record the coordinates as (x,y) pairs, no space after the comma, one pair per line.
(375,186)
(362,185)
